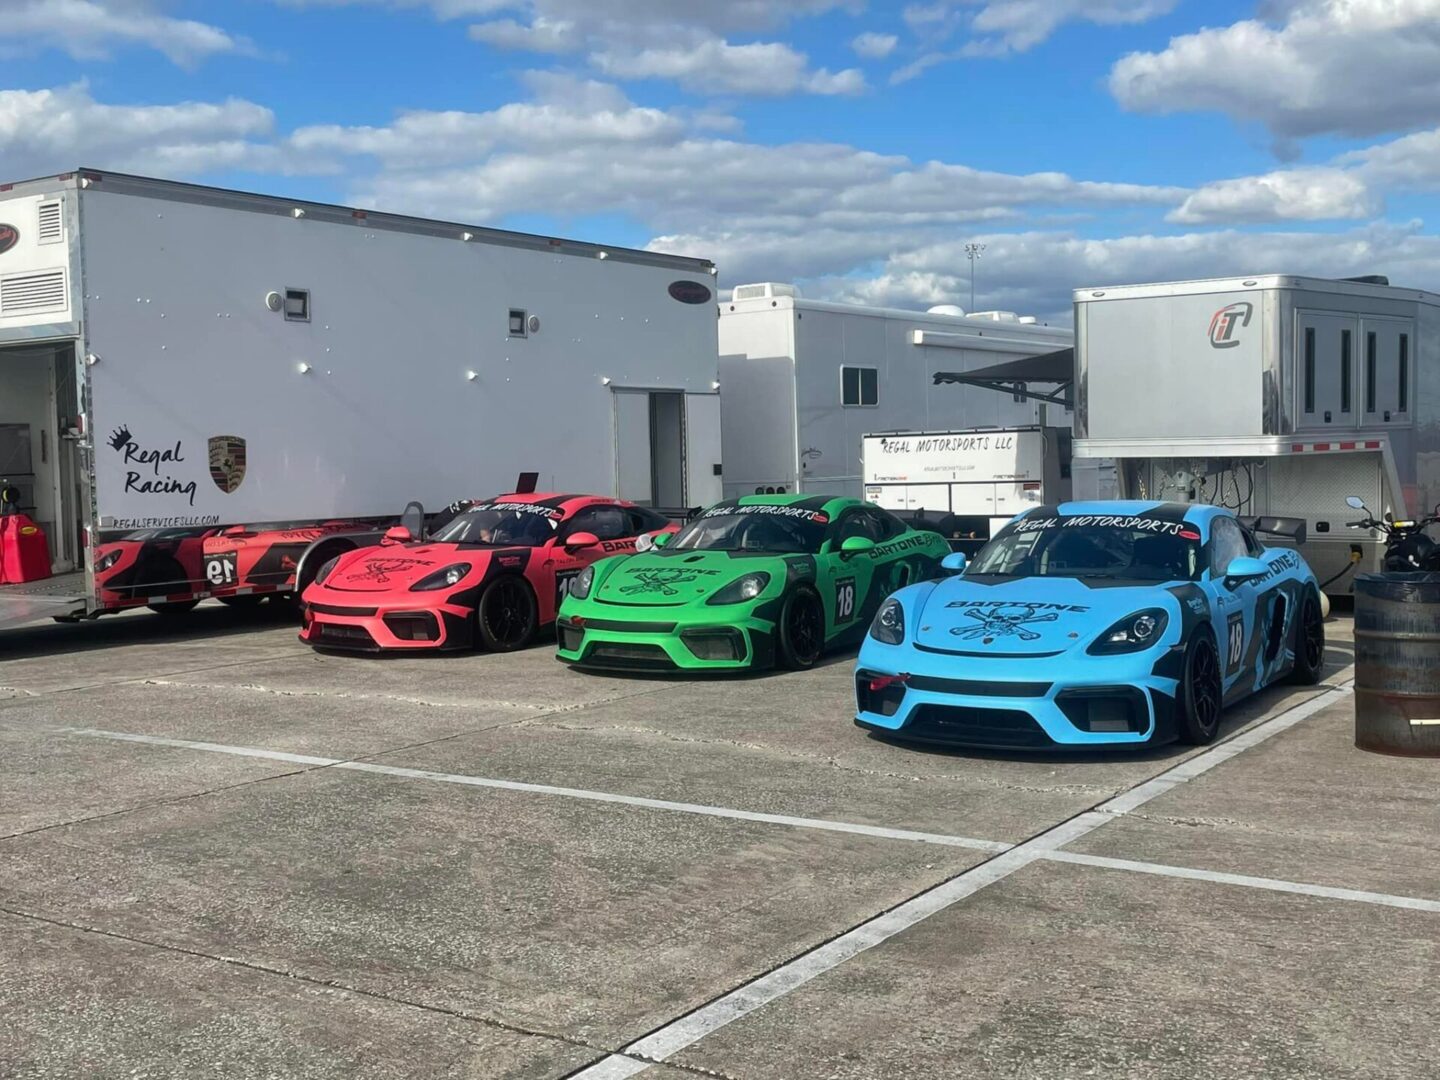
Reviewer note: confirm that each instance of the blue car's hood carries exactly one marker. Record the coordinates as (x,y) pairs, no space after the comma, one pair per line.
(1026,616)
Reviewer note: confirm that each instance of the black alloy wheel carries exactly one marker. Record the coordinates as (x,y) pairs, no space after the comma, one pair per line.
(1309,644)
(802,630)
(1201,690)
(507,615)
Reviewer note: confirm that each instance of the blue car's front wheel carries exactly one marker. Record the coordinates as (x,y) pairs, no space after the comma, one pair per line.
(1200,691)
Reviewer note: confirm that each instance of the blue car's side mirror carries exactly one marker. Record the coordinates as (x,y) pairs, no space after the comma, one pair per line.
(955,562)
(1245,569)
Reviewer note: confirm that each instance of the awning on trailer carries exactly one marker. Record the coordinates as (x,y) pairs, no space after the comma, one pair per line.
(1014,376)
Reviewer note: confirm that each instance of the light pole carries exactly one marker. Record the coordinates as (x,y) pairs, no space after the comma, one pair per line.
(973,252)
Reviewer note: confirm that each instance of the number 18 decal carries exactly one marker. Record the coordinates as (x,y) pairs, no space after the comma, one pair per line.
(844,600)
(1235,628)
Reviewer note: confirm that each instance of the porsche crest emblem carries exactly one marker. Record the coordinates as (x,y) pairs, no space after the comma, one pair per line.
(227,461)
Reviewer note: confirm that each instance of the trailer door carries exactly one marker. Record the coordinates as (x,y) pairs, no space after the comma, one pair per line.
(1327,349)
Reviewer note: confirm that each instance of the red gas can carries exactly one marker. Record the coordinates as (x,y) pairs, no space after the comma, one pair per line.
(24,552)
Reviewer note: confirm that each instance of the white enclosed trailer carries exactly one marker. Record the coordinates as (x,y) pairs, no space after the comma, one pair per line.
(805,380)
(177,357)
(1273,395)
(969,482)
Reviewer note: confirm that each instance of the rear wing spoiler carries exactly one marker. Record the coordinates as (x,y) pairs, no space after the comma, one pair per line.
(1291,528)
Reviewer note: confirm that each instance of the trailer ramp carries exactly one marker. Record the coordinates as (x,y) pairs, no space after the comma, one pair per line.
(32,601)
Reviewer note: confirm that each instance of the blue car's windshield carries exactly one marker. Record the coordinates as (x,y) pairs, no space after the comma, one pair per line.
(1132,548)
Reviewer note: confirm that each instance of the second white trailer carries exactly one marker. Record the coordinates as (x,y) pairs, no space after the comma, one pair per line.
(804,381)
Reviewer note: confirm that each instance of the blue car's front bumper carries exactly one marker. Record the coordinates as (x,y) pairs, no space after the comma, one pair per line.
(1017,703)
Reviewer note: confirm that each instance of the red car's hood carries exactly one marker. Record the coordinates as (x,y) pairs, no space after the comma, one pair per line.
(396,567)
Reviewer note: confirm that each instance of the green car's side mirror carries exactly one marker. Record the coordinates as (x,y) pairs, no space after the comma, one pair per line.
(856,545)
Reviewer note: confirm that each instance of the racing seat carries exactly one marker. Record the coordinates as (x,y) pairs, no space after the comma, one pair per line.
(1166,553)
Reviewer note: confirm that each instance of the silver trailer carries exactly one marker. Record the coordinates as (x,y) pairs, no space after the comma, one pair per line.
(175,357)
(804,381)
(1274,395)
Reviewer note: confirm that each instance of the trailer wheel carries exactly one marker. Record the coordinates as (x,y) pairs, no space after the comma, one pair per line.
(507,615)
(248,602)
(165,574)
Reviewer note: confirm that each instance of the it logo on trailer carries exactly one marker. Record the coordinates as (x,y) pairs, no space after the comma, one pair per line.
(9,237)
(1226,321)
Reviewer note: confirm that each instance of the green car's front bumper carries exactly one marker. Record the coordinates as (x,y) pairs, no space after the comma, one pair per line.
(732,637)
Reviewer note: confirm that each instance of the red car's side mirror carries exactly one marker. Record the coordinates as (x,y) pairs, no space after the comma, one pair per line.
(576,541)
(398,534)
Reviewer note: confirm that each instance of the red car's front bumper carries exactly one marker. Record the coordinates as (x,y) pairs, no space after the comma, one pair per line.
(355,626)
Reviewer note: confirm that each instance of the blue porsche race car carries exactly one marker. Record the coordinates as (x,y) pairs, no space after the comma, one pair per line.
(1094,625)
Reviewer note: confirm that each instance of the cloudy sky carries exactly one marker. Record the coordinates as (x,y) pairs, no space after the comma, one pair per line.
(852,146)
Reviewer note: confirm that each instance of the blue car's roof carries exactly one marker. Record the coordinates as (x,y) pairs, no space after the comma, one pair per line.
(1193,512)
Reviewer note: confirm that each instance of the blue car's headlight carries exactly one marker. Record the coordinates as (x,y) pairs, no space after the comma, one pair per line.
(889,623)
(1132,633)
(742,589)
(442,578)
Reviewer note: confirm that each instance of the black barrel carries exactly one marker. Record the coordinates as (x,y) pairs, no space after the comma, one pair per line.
(1397,663)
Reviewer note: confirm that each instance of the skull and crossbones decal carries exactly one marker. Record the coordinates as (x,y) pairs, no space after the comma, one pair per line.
(1004,620)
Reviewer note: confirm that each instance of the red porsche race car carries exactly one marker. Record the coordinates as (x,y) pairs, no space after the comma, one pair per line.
(246,563)
(494,575)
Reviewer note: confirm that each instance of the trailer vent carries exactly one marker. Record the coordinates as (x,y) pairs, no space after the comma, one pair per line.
(51,227)
(24,294)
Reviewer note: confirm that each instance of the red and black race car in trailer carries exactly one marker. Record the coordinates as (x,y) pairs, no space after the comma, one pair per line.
(154,568)
(246,563)
(494,575)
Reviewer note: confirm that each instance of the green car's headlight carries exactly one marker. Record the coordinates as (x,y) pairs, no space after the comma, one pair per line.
(889,624)
(742,589)
(582,583)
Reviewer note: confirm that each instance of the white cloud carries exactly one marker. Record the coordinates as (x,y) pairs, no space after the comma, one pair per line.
(90,29)
(712,65)
(1410,163)
(49,131)
(1002,27)
(687,43)
(1303,194)
(1357,67)
(873,46)
(1018,25)
(568,113)
(1035,272)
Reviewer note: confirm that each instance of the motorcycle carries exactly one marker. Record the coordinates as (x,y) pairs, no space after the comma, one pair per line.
(1408,549)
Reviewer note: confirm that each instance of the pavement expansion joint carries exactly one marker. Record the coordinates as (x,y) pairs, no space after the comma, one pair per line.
(331,984)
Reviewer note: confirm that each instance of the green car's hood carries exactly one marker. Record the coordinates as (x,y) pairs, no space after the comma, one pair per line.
(683,577)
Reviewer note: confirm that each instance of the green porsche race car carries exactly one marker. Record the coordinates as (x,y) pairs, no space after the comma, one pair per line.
(749,583)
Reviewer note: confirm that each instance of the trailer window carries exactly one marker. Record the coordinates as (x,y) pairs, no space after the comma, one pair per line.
(1344,371)
(1309,369)
(1403,404)
(1370,345)
(859,386)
